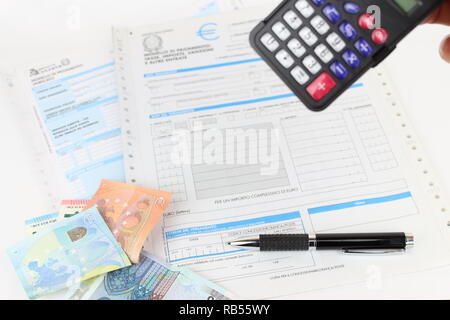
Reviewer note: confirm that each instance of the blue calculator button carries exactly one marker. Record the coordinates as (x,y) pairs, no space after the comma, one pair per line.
(318,2)
(363,47)
(351,59)
(348,30)
(331,13)
(339,70)
(352,8)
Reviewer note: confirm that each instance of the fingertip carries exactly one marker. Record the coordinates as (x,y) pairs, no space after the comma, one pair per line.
(445,49)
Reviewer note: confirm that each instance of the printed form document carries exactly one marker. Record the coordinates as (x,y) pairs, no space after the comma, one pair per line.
(205,118)
(67,107)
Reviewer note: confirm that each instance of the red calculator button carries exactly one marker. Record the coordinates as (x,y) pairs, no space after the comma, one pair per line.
(380,36)
(366,21)
(320,87)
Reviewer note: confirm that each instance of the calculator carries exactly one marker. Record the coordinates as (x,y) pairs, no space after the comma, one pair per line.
(319,48)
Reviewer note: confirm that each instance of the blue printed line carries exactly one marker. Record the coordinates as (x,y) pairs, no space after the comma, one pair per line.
(98,103)
(212,66)
(232,225)
(70,175)
(73,76)
(219,106)
(98,75)
(208,255)
(102,136)
(360,203)
(357,85)
(42,218)
(83,108)
(231,104)
(88,71)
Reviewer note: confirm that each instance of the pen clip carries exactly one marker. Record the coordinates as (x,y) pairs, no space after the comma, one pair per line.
(373,252)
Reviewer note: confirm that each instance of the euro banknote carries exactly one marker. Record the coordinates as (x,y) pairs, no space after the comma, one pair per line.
(34,225)
(68,252)
(153,280)
(130,211)
(68,209)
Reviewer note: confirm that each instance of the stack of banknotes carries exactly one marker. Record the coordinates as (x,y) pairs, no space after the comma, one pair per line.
(92,249)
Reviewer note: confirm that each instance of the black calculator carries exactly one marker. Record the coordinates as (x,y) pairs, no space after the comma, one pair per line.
(319,48)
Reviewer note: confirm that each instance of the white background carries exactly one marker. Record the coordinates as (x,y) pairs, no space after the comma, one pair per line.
(31,29)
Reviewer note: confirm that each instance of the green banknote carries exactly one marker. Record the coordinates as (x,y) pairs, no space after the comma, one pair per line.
(154,280)
(68,252)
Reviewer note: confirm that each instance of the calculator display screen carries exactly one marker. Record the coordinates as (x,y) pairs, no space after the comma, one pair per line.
(407,5)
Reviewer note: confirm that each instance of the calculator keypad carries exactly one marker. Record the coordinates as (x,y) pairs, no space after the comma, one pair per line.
(320,44)
(269,42)
(285,59)
(331,13)
(281,31)
(296,47)
(380,36)
(335,42)
(300,75)
(339,70)
(304,8)
(366,21)
(352,8)
(308,36)
(320,87)
(292,19)
(320,25)
(348,31)
(312,64)
(323,53)
(351,59)
(318,3)
(363,47)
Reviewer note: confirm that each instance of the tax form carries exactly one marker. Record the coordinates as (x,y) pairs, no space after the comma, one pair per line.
(205,118)
(67,107)
(69,110)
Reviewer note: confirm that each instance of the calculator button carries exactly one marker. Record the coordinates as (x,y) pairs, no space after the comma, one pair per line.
(320,25)
(296,48)
(336,42)
(331,13)
(366,21)
(308,36)
(323,53)
(363,47)
(304,8)
(285,59)
(320,87)
(318,3)
(380,36)
(281,31)
(351,59)
(269,42)
(348,30)
(339,70)
(300,75)
(351,7)
(292,19)
(311,64)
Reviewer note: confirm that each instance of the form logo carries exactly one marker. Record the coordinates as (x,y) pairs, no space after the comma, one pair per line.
(152,43)
(208,32)
(33,72)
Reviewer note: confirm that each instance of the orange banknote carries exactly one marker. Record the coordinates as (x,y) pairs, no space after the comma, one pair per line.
(131,212)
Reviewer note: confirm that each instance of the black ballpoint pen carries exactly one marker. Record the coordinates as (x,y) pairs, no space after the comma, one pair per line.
(347,242)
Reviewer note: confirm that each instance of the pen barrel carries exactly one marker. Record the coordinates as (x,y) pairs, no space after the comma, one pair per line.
(344,241)
(284,242)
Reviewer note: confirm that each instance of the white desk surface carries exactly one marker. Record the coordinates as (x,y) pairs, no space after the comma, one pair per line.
(32,28)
